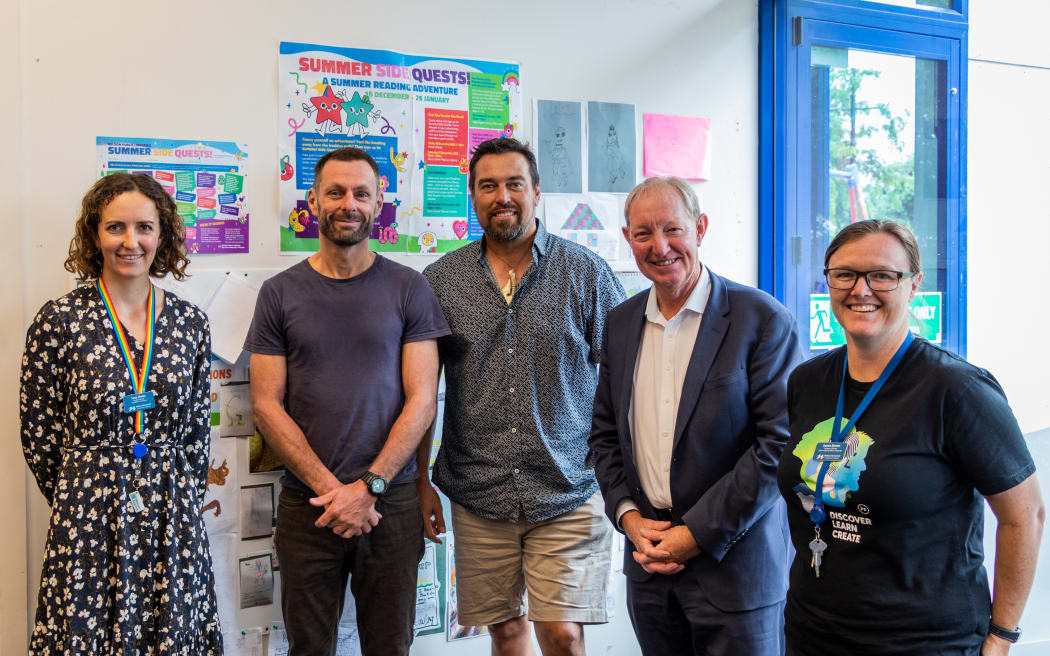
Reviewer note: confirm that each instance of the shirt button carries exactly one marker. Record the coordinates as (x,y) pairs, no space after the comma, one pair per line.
(514,430)
(512,390)
(517,471)
(510,350)
(665,400)
(509,311)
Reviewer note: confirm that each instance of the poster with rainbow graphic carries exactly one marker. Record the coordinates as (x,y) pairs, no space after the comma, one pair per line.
(206,179)
(420,117)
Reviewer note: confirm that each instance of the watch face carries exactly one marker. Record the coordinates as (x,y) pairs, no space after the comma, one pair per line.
(378,486)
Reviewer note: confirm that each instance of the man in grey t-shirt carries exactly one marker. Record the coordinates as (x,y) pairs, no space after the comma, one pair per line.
(344,374)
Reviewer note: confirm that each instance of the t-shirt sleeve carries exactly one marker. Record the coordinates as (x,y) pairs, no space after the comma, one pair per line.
(423,316)
(982,437)
(266,335)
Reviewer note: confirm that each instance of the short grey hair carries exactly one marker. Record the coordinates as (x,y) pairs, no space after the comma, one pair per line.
(690,201)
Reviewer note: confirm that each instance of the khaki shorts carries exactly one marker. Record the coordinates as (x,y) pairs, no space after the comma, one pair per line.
(563,562)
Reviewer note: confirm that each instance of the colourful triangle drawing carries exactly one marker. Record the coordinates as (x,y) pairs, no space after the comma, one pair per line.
(582,218)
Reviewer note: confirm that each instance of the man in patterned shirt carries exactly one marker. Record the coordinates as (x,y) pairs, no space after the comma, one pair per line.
(526,310)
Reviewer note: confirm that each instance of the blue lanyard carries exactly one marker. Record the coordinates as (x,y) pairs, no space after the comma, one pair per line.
(839,432)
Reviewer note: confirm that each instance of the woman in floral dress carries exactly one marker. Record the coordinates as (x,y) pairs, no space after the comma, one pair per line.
(115,427)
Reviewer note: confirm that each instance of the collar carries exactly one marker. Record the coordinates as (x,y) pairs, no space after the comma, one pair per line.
(539,243)
(696,302)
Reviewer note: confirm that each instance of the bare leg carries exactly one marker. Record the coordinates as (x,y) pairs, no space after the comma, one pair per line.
(560,638)
(511,638)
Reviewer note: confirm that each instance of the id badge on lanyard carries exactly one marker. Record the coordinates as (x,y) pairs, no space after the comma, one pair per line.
(840,448)
(140,399)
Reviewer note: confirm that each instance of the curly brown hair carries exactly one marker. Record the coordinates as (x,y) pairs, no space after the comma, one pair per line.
(85,258)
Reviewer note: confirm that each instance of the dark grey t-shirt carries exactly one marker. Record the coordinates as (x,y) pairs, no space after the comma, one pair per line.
(342,340)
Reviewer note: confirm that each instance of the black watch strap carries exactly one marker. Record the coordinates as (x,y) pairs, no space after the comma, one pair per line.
(1003,632)
(375,483)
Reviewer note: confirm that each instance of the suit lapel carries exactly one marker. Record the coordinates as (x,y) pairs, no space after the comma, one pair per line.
(713,327)
(634,341)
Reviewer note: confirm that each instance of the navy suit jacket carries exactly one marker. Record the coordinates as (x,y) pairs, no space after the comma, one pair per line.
(731,428)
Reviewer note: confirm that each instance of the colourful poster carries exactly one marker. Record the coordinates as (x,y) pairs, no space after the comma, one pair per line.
(205,179)
(419,117)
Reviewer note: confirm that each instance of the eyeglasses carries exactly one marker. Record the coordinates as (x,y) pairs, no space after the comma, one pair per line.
(878,280)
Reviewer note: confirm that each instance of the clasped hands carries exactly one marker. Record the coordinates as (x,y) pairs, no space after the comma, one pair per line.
(660,547)
(350,510)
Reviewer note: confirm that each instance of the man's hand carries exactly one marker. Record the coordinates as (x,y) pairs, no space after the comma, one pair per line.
(349,510)
(676,541)
(653,559)
(433,517)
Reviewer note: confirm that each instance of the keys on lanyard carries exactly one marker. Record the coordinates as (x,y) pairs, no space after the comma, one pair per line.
(141,399)
(817,547)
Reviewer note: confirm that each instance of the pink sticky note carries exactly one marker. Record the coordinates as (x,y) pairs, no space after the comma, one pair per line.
(677,146)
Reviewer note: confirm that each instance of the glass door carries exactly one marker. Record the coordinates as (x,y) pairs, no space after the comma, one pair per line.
(871,124)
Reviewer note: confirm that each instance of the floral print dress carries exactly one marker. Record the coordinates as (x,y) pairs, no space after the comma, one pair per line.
(117,580)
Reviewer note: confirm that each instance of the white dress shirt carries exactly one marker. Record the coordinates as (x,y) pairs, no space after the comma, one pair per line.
(659,372)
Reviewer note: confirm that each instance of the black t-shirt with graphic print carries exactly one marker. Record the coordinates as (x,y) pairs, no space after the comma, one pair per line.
(903,570)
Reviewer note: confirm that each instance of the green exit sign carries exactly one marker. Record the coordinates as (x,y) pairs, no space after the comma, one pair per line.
(925,320)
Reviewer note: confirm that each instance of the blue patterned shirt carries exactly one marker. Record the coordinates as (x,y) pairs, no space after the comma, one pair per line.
(520,378)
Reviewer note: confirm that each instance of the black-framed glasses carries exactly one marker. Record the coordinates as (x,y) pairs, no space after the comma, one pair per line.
(879,280)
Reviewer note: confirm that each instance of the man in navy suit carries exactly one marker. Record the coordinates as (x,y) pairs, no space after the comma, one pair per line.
(690,418)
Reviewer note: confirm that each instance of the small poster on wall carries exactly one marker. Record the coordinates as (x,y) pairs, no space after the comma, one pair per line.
(678,146)
(611,151)
(559,145)
(204,178)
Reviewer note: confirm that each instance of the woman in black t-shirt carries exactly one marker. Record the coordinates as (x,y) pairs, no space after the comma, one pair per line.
(904,440)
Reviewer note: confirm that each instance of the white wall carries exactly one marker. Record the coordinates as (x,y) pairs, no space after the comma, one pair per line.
(1008,214)
(1009,230)
(208,70)
(13,591)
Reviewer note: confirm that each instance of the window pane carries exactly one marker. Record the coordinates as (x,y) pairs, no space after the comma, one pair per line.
(877,151)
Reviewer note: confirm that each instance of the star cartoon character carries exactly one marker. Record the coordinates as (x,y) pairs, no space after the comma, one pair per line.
(328,110)
(357,109)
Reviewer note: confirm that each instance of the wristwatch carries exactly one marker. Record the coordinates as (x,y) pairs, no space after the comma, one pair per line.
(376,484)
(1004,633)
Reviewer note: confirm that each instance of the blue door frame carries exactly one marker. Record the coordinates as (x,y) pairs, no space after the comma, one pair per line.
(787,31)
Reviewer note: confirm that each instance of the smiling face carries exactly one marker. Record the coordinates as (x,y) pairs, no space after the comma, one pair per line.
(346,201)
(873,319)
(665,241)
(128,236)
(504,197)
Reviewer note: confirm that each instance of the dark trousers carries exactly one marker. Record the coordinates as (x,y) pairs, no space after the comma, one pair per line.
(383,565)
(672,615)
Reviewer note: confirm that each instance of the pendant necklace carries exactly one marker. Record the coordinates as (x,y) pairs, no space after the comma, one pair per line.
(512,279)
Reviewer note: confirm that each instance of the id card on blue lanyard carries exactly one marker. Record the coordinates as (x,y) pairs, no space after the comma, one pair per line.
(835,449)
(839,448)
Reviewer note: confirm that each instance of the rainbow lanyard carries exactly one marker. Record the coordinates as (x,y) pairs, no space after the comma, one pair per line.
(141,399)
